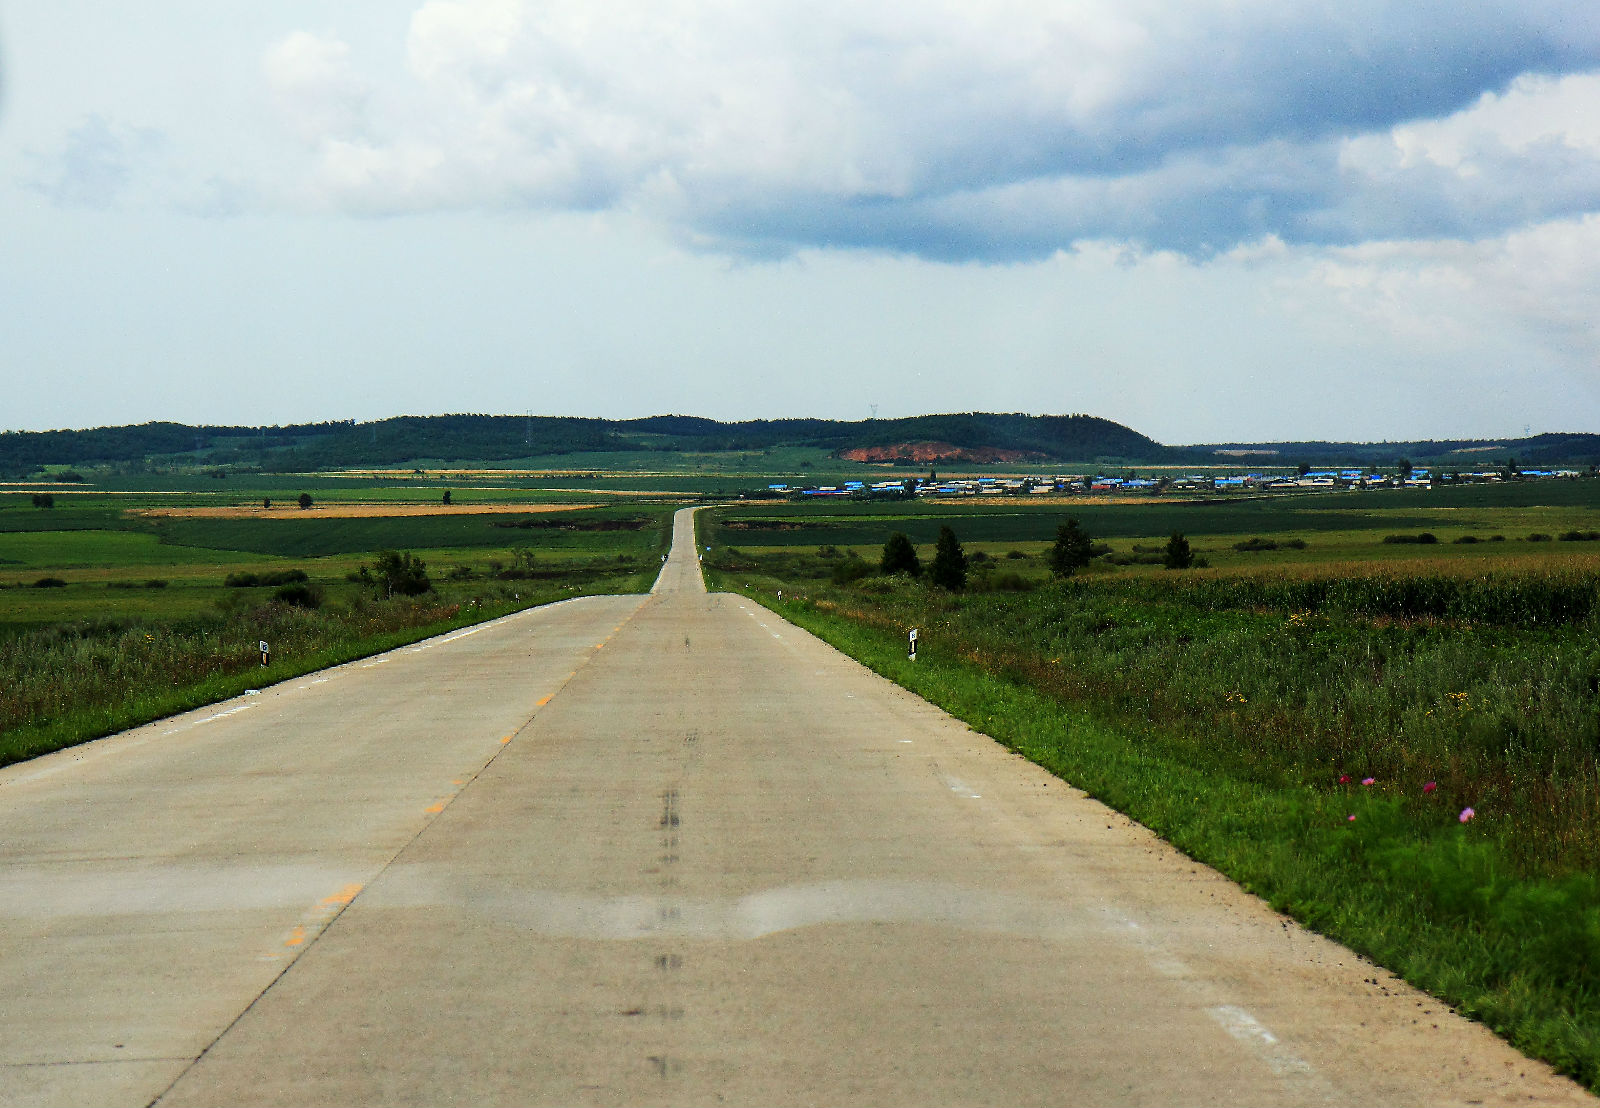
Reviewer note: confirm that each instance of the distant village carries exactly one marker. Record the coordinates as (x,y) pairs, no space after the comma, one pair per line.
(1082,483)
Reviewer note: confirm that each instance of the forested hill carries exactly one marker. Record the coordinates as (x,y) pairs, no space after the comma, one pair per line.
(483,438)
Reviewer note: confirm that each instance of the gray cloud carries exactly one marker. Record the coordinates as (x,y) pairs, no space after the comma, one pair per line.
(994,131)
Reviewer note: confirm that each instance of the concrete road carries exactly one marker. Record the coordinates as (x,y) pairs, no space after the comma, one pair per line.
(663,849)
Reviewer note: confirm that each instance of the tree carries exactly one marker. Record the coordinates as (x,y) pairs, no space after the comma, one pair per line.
(899,556)
(1179,556)
(266,501)
(446,497)
(305,501)
(1072,550)
(949,570)
(43,500)
(398,572)
(1405,469)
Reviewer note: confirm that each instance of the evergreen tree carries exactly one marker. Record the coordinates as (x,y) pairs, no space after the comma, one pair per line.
(1179,556)
(949,570)
(1072,550)
(899,556)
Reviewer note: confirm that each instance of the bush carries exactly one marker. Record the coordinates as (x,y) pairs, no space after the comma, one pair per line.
(949,562)
(305,501)
(1580,536)
(43,500)
(1255,544)
(899,556)
(299,595)
(155,583)
(1466,539)
(1178,555)
(1426,538)
(244,580)
(49,583)
(1010,582)
(1538,536)
(1294,544)
(398,572)
(1015,555)
(851,570)
(1072,549)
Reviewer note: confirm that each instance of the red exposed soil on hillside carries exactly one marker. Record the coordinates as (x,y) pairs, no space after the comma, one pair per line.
(935,452)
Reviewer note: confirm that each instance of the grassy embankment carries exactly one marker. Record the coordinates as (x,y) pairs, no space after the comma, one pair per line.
(141,628)
(1239,713)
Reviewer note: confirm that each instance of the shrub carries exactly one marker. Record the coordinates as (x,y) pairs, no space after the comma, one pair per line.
(1294,544)
(851,570)
(1072,550)
(1538,536)
(899,556)
(1179,555)
(43,500)
(155,583)
(398,572)
(1255,544)
(299,595)
(1010,582)
(1579,536)
(1015,554)
(1426,538)
(245,580)
(1463,539)
(305,501)
(49,583)
(949,562)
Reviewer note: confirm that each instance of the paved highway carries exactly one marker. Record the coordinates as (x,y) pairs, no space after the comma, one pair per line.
(663,849)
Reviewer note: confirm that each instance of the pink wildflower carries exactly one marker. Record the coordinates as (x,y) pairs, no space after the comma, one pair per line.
(1369,780)
(1466,814)
(1350,818)
(1344,779)
(1430,786)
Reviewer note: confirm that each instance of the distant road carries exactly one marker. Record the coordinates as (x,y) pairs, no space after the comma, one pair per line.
(663,849)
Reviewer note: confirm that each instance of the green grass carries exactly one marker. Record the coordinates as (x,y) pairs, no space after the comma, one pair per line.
(1221,708)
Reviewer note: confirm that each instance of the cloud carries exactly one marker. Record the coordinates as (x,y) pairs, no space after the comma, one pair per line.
(97,164)
(992,130)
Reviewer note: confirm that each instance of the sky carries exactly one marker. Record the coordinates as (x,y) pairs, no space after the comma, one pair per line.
(1210,220)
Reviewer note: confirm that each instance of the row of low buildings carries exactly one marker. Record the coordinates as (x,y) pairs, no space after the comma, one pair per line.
(1078,484)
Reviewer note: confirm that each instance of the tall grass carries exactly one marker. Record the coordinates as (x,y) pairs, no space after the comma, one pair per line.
(67,683)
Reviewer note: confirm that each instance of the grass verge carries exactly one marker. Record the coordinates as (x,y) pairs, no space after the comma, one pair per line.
(70,684)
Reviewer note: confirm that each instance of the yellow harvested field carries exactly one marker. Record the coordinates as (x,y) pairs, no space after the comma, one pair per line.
(378,510)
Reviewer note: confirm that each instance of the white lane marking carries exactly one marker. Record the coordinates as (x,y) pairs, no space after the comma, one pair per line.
(1283,1062)
(905,740)
(208,719)
(959,786)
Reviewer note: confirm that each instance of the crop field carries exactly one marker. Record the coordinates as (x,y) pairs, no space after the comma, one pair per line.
(110,616)
(1396,742)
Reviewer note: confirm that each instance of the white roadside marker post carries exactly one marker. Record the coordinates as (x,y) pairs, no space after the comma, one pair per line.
(913,644)
(266,652)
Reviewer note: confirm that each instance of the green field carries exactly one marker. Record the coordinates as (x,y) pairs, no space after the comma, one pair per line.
(110,617)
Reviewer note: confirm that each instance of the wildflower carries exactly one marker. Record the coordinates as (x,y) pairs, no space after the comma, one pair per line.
(1430,786)
(1344,779)
(1369,780)
(1466,814)
(1350,818)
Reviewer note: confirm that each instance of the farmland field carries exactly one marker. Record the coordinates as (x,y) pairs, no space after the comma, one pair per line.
(110,616)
